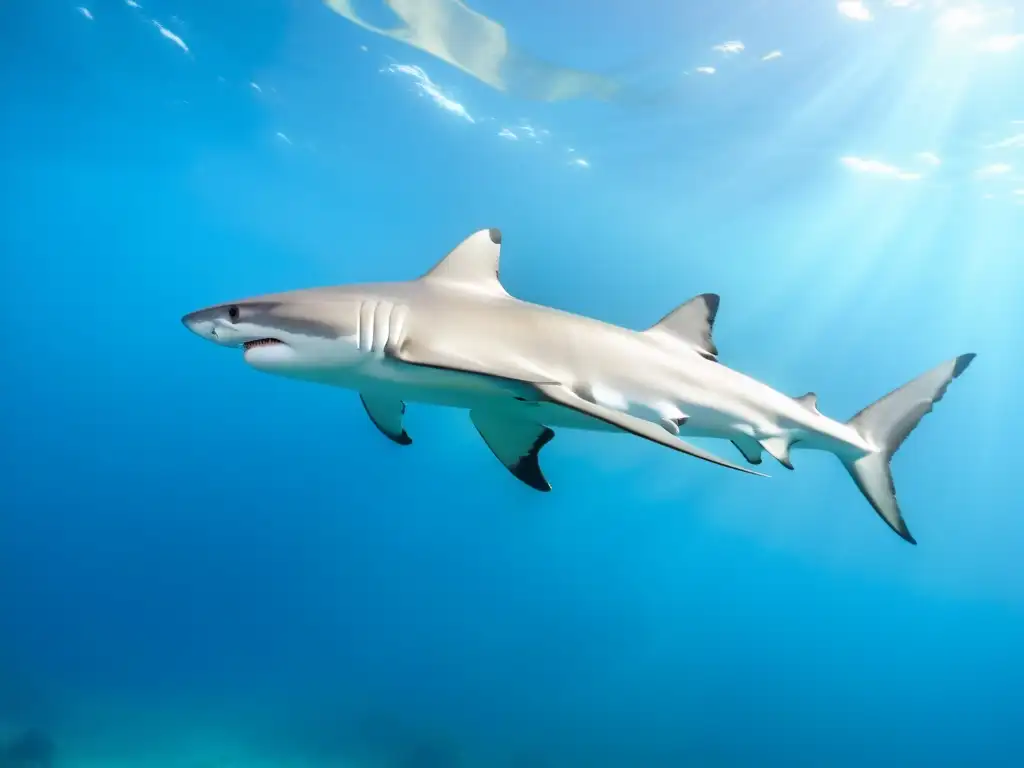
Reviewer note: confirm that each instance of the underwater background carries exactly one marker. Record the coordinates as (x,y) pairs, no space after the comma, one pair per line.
(204,566)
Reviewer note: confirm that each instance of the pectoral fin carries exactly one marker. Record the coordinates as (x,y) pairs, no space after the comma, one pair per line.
(628,423)
(516,443)
(386,413)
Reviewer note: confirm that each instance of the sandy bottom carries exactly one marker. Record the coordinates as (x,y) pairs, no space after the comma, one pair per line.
(139,741)
(178,746)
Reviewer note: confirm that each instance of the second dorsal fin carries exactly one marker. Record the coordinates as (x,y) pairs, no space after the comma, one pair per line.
(809,401)
(473,264)
(691,323)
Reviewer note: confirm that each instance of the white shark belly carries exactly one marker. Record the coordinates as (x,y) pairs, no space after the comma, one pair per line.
(765,414)
(422,384)
(656,392)
(705,399)
(686,408)
(468,391)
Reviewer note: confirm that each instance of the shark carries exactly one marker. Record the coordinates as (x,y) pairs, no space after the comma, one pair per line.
(455,337)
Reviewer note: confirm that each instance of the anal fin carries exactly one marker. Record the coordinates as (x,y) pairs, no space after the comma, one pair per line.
(516,443)
(386,414)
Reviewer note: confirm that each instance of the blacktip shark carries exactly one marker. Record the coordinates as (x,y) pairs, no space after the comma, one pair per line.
(455,337)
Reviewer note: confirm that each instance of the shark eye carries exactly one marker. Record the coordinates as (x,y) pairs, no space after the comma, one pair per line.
(233,313)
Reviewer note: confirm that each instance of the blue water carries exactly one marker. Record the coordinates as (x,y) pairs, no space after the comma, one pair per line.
(201,565)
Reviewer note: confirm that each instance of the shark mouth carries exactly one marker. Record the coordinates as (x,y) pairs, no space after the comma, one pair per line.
(260,343)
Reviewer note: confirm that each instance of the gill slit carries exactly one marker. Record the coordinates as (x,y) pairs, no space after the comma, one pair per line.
(372,347)
(396,328)
(359,327)
(383,329)
(380,327)
(367,310)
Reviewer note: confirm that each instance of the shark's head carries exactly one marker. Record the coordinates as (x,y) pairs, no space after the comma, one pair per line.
(289,334)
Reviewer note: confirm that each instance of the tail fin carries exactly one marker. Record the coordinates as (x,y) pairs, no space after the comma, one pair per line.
(886,424)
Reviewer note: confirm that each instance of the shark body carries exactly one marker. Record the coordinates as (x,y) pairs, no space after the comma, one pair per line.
(455,337)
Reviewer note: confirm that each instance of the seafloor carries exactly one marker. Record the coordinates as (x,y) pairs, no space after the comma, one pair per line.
(141,742)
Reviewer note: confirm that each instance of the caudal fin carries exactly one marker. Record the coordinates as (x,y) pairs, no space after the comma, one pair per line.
(885,424)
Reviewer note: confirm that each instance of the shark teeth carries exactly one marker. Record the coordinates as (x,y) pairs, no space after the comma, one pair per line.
(260,343)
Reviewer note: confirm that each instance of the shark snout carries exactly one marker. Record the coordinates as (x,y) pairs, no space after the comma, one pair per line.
(202,324)
(194,322)
(215,325)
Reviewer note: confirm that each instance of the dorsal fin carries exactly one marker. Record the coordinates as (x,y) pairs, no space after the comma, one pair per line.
(809,401)
(692,324)
(473,264)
